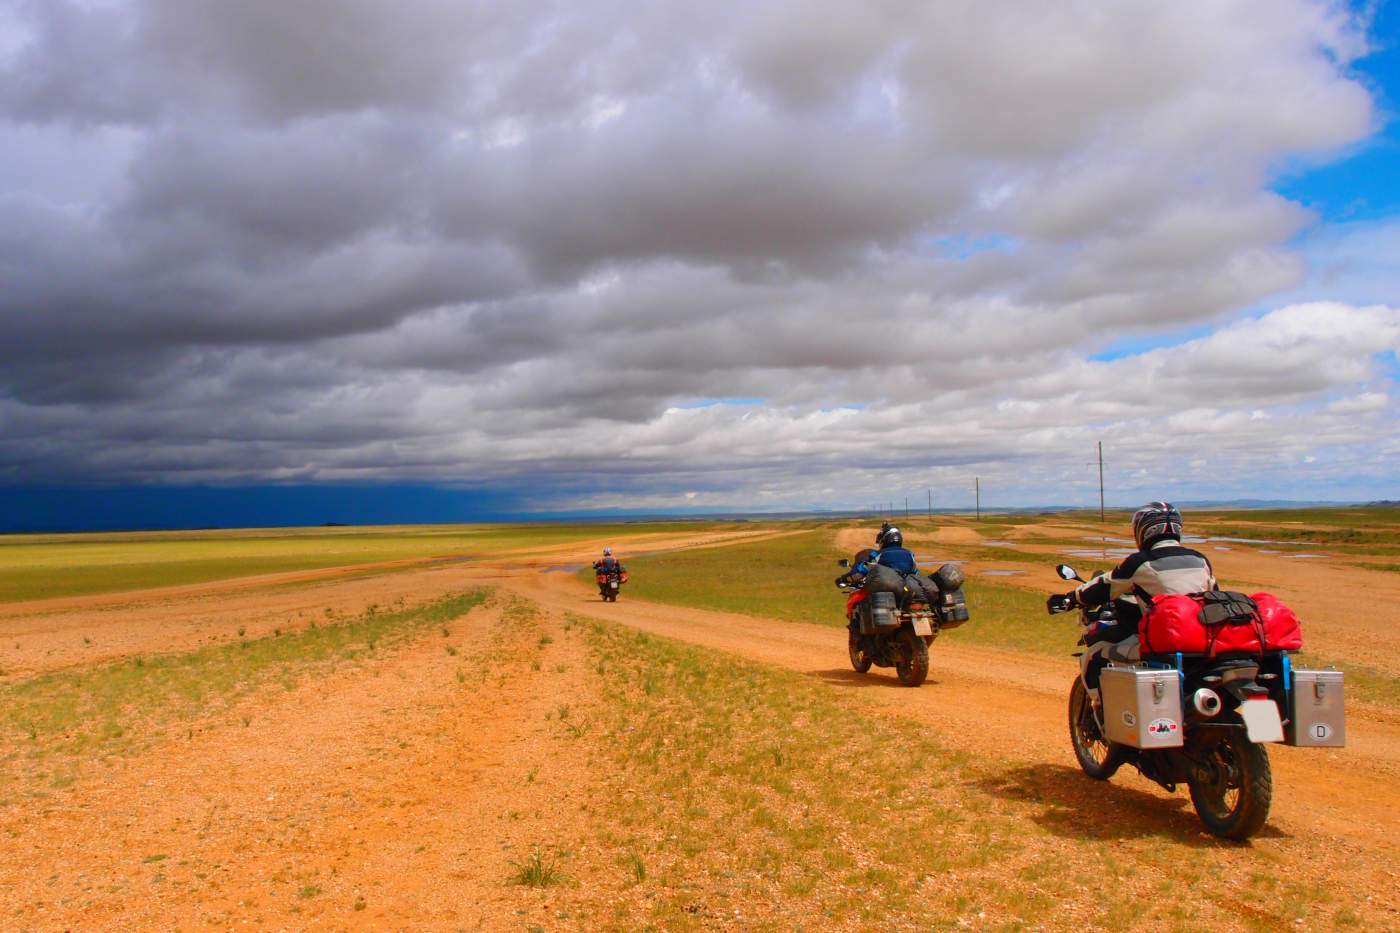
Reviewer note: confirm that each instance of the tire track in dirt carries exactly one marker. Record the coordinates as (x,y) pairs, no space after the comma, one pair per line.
(1009,707)
(393,794)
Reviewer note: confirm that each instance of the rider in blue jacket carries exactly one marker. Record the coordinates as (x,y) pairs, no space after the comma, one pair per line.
(892,554)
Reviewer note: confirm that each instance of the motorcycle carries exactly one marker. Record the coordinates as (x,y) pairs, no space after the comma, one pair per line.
(610,584)
(1197,720)
(885,631)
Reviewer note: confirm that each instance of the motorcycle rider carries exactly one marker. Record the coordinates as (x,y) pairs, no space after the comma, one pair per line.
(1160,565)
(891,553)
(894,554)
(609,564)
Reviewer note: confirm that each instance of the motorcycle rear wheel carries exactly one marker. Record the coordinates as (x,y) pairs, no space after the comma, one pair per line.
(1098,757)
(1235,803)
(911,663)
(859,659)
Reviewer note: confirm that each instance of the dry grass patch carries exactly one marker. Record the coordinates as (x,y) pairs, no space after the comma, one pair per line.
(741,796)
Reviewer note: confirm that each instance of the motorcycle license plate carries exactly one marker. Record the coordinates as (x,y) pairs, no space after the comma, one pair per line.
(1261,720)
(922,627)
(613,585)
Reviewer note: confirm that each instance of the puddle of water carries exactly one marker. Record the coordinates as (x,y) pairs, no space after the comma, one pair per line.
(449,560)
(1107,539)
(1221,547)
(1100,552)
(1301,556)
(1264,550)
(1259,541)
(566,568)
(991,543)
(1001,573)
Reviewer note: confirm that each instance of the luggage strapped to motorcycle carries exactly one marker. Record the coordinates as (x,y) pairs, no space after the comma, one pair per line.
(1220,608)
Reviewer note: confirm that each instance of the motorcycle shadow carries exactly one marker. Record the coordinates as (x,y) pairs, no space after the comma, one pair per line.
(1075,806)
(878,677)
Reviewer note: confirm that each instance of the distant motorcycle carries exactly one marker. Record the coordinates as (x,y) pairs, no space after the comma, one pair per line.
(1199,719)
(610,584)
(889,629)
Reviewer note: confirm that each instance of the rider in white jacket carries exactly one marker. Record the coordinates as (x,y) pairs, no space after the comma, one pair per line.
(1161,565)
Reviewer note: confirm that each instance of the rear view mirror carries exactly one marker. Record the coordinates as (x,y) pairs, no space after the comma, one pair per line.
(1067,572)
(843,563)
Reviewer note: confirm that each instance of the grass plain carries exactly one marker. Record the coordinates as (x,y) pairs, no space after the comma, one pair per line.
(48,566)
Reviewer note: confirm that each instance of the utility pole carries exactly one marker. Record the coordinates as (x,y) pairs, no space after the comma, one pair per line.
(930,505)
(1101,512)
(906,510)
(978,488)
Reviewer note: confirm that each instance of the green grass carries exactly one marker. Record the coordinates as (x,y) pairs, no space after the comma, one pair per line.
(47,566)
(51,723)
(537,871)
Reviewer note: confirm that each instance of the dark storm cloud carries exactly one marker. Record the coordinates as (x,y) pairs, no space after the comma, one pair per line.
(343,239)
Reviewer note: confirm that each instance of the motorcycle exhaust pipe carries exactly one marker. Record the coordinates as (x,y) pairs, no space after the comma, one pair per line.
(1206,702)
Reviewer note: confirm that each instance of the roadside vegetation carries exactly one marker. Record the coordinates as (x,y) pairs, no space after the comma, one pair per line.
(51,724)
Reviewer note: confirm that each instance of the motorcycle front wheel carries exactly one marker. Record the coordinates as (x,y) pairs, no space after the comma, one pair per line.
(859,659)
(911,662)
(1233,801)
(1098,757)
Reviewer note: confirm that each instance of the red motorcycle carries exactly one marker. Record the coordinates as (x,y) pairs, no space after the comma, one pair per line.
(610,583)
(895,626)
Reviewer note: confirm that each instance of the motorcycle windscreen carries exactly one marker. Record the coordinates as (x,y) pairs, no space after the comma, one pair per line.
(1261,720)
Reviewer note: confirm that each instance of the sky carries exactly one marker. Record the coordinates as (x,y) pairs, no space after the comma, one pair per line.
(542,256)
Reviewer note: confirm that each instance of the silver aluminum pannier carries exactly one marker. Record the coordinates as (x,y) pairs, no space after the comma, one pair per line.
(1317,717)
(1142,706)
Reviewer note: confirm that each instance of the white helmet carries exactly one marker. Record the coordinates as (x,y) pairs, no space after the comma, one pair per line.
(607,552)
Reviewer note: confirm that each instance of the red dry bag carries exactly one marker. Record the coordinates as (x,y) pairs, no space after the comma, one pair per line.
(1218,623)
